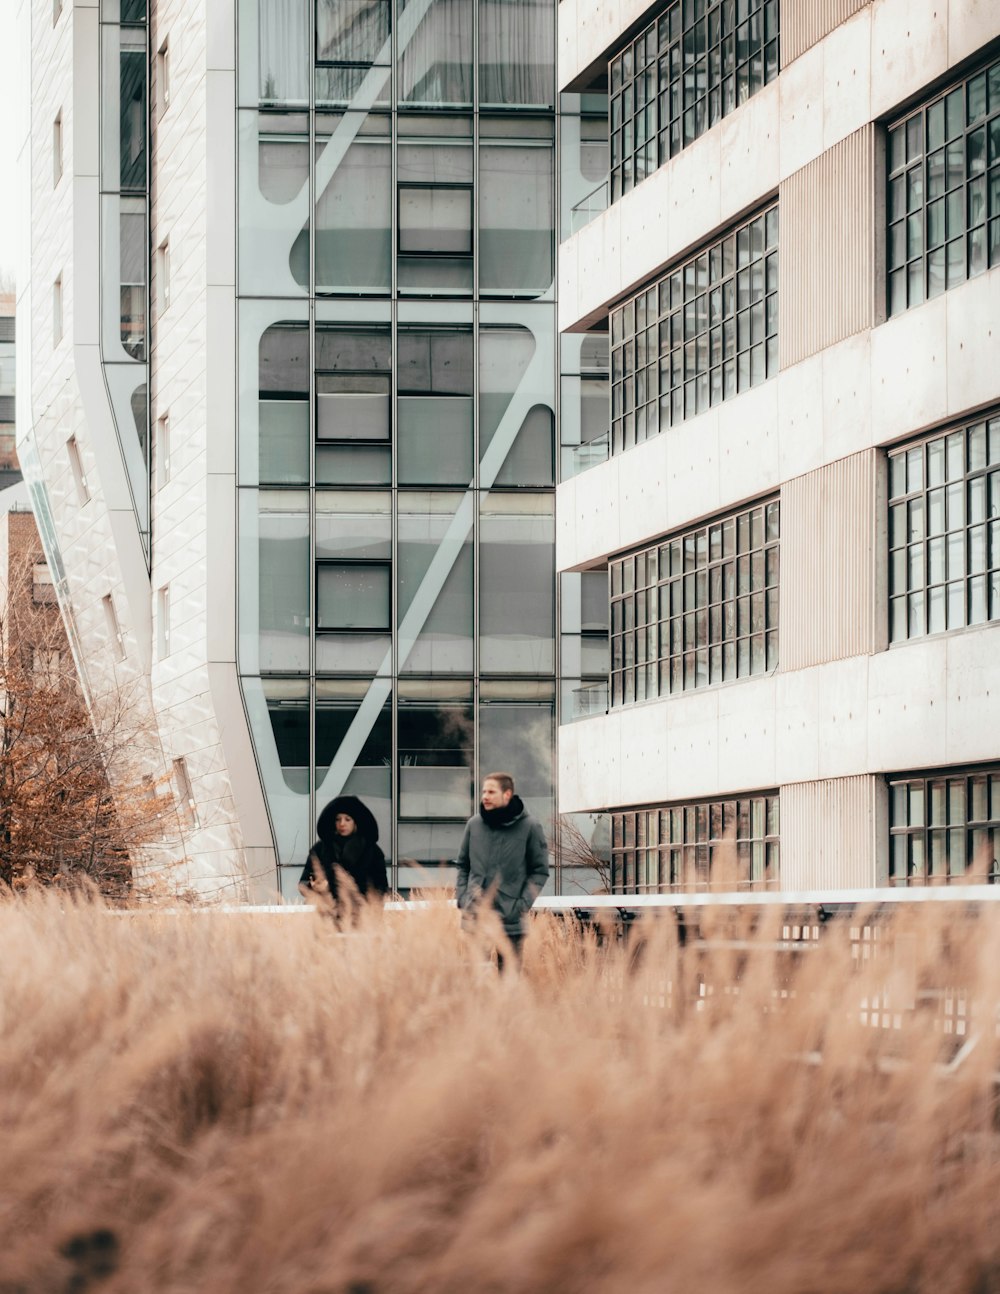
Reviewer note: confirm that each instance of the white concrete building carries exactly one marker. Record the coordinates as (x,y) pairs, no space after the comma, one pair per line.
(798,263)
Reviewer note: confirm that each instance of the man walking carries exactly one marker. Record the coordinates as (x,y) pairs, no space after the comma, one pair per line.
(503,856)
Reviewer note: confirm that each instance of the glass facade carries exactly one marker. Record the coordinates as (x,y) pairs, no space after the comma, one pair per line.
(729,844)
(694,65)
(124,248)
(944,531)
(397,408)
(943,199)
(944,824)
(702,333)
(699,608)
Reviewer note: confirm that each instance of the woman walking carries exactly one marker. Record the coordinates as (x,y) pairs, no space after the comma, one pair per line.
(345,864)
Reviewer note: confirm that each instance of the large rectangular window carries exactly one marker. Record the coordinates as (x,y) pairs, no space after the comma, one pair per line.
(699,608)
(682,75)
(727,844)
(702,333)
(943,824)
(944,531)
(943,199)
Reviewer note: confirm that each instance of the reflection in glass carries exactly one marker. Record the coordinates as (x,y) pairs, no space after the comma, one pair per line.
(519,737)
(435,62)
(516,52)
(441,610)
(435,381)
(133,254)
(516,593)
(515,217)
(283,579)
(284,404)
(352,383)
(435,760)
(353,595)
(283,42)
(371,777)
(354,218)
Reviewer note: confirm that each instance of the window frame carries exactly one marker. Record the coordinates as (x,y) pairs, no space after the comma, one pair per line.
(928,834)
(677,841)
(335,564)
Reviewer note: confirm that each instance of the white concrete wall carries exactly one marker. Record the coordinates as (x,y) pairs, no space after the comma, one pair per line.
(921,704)
(871,64)
(919,369)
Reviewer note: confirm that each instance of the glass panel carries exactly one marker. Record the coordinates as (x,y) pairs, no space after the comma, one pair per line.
(352,383)
(350,31)
(435,60)
(352,596)
(516,52)
(434,582)
(283,45)
(283,410)
(518,738)
(435,381)
(353,210)
(515,217)
(517,584)
(283,579)
(435,761)
(354,755)
(435,220)
(353,525)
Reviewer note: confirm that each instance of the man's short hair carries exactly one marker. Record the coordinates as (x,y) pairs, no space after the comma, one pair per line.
(504,780)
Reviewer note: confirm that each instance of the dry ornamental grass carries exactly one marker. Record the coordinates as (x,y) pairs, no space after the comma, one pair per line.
(258,1105)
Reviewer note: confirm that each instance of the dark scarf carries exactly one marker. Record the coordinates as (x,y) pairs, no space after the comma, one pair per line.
(506,813)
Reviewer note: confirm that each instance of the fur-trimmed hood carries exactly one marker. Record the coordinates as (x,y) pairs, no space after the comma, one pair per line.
(326,827)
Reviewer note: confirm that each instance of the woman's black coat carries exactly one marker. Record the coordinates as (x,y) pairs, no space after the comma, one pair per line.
(358,854)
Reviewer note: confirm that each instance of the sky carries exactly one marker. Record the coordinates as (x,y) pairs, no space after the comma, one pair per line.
(8,143)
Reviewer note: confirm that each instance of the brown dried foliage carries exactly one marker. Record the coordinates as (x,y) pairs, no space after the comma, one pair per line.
(237,1103)
(73,803)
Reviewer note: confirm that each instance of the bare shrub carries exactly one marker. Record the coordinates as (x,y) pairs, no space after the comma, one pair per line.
(210,1102)
(78,804)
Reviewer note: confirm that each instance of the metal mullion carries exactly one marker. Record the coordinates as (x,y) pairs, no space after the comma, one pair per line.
(475,486)
(394,560)
(311,218)
(393,457)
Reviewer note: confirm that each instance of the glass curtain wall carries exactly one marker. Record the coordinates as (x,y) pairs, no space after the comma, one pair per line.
(125,237)
(397,412)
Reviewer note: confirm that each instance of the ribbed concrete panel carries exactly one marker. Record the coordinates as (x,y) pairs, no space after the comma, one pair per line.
(827,248)
(828,834)
(828,569)
(804,22)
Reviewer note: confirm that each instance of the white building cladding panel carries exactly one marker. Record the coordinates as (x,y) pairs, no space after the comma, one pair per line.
(81,392)
(828,239)
(833,547)
(804,22)
(833,834)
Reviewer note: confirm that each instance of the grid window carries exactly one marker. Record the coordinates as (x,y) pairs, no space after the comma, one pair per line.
(941,826)
(682,75)
(689,846)
(943,200)
(944,532)
(700,608)
(706,331)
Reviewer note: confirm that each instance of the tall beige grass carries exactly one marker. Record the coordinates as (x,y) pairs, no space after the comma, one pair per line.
(242,1104)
